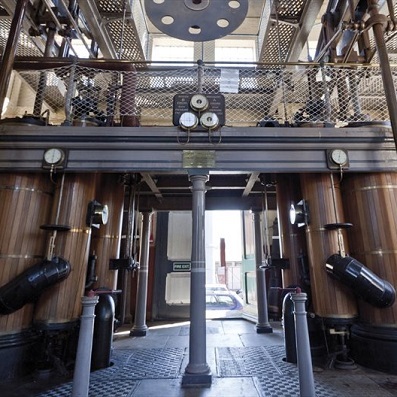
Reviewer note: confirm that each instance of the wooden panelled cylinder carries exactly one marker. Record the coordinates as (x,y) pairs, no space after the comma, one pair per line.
(105,242)
(331,300)
(62,304)
(25,205)
(370,201)
(292,238)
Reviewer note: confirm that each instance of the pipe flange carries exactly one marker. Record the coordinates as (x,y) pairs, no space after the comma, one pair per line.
(197,20)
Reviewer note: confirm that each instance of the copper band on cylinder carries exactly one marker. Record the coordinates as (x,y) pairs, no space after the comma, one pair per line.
(25,205)
(370,201)
(330,299)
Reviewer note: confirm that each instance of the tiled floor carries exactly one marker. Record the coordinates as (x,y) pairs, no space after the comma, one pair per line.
(243,364)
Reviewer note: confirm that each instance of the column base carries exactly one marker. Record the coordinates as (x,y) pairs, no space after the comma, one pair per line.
(197,380)
(138,332)
(264,329)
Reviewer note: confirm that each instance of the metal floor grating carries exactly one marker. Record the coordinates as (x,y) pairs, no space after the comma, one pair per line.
(264,365)
(277,378)
(99,388)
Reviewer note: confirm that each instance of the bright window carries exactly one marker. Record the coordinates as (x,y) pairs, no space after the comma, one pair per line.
(235,51)
(170,49)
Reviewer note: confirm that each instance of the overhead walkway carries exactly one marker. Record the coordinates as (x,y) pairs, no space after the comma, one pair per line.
(243,363)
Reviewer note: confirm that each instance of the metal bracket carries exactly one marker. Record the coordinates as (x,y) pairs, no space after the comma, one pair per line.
(123,263)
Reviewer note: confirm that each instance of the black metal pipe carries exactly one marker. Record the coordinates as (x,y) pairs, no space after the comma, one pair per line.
(103,332)
(38,103)
(364,283)
(11,49)
(289,329)
(28,286)
(378,21)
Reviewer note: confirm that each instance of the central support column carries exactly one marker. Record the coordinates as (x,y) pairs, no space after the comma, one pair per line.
(197,372)
(263,326)
(140,327)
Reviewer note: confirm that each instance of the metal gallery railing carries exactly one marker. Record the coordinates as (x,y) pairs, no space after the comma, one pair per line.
(121,93)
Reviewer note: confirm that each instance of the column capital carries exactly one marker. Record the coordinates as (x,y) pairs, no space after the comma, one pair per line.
(198,174)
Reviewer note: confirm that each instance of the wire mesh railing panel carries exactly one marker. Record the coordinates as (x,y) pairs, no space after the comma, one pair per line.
(288,94)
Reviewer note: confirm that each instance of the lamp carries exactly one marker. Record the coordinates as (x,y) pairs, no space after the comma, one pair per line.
(299,214)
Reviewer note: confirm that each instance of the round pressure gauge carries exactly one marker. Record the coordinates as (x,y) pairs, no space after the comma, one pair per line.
(339,156)
(199,102)
(54,156)
(188,120)
(101,214)
(209,120)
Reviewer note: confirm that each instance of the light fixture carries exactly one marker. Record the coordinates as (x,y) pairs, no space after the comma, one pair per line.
(299,214)
(97,214)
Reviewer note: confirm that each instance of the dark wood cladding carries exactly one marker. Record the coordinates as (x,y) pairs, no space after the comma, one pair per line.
(292,239)
(370,202)
(62,303)
(106,240)
(25,205)
(330,298)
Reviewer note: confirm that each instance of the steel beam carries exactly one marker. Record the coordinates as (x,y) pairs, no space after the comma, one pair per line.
(140,149)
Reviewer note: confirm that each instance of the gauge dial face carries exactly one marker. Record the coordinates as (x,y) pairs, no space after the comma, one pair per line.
(209,120)
(105,214)
(199,102)
(292,214)
(188,120)
(339,156)
(54,156)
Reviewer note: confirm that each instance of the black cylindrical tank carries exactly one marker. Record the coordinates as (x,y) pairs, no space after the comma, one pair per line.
(366,284)
(103,332)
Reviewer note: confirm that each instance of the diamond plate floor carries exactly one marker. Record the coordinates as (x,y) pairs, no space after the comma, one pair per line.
(243,364)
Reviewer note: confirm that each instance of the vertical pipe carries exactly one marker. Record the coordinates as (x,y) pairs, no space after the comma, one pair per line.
(11,49)
(222,245)
(197,371)
(69,95)
(262,325)
(128,251)
(81,376)
(38,102)
(387,77)
(128,111)
(140,327)
(305,368)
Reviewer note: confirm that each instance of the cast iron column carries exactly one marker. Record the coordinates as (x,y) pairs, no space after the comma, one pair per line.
(197,372)
(305,367)
(262,326)
(11,49)
(81,376)
(140,327)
